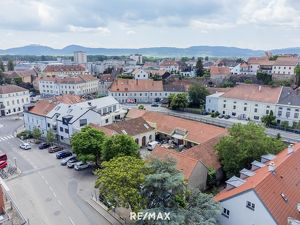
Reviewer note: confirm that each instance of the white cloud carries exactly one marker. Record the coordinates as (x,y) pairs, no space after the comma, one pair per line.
(206,26)
(270,13)
(103,30)
(130,32)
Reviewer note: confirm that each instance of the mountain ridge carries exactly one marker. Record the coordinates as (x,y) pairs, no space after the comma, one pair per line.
(202,50)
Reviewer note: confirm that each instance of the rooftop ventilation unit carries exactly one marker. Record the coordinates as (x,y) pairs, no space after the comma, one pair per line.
(266,158)
(290,149)
(256,165)
(244,173)
(234,182)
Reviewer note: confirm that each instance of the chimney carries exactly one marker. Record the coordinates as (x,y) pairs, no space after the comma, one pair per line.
(290,149)
(272,167)
(259,88)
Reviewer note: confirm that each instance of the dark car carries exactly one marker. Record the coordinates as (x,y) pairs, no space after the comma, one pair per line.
(227,117)
(3,157)
(44,145)
(154,105)
(63,154)
(221,116)
(55,148)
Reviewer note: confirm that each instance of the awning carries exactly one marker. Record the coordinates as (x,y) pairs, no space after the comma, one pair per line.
(178,136)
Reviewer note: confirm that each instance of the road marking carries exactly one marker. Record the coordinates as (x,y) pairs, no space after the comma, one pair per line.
(51,188)
(5,138)
(46,182)
(72,222)
(42,176)
(59,202)
(54,194)
(10,136)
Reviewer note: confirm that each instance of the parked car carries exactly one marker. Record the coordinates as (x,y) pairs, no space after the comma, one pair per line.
(3,157)
(55,148)
(151,145)
(81,166)
(63,154)
(71,163)
(25,146)
(227,117)
(221,116)
(44,145)
(154,105)
(66,160)
(3,164)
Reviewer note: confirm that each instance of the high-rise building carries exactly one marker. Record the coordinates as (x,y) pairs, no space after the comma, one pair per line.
(80,57)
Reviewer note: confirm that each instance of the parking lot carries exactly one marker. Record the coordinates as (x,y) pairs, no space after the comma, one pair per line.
(48,193)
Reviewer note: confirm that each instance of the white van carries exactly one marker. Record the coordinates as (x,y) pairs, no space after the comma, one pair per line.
(151,145)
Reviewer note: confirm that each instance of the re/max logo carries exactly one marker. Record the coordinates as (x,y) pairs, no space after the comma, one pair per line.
(149,216)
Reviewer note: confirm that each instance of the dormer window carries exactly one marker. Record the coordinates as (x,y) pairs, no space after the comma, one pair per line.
(250,205)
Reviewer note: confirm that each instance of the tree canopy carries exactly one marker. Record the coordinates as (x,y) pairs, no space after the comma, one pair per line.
(179,101)
(264,77)
(244,144)
(119,145)
(199,68)
(269,119)
(50,137)
(10,65)
(2,68)
(197,94)
(120,181)
(87,144)
(36,133)
(297,72)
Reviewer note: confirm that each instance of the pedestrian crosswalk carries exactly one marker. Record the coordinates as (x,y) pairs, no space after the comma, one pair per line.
(5,138)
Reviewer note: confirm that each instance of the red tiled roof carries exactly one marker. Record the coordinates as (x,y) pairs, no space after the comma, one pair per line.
(166,63)
(135,113)
(197,132)
(206,153)
(184,163)
(254,92)
(70,79)
(264,60)
(269,186)
(44,106)
(63,68)
(105,130)
(11,88)
(219,70)
(129,85)
(286,61)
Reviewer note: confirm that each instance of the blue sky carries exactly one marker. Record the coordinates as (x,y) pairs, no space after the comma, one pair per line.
(256,24)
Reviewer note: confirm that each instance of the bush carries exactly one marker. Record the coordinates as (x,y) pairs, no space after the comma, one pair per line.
(215,114)
(26,134)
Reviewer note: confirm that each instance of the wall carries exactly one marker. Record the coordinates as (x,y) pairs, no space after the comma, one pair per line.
(241,215)
(198,178)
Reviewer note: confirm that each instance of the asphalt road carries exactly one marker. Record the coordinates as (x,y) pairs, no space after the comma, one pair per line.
(46,192)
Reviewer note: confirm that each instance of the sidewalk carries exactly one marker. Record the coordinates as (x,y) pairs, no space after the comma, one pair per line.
(100,209)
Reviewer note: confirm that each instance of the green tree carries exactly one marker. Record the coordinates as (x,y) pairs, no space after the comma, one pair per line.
(197,94)
(244,144)
(199,68)
(170,98)
(164,190)
(87,144)
(297,72)
(179,101)
(264,77)
(284,124)
(119,145)
(50,137)
(120,182)
(2,68)
(36,133)
(17,80)
(269,120)
(10,65)
(202,209)
(141,107)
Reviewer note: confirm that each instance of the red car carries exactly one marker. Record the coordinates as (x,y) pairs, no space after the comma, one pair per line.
(3,164)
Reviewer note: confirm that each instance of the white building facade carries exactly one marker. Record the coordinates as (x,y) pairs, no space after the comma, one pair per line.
(80,57)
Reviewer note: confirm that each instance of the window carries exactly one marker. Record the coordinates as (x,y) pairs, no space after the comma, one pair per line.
(233,114)
(66,131)
(106,120)
(255,110)
(287,114)
(226,212)
(82,122)
(296,115)
(48,124)
(245,108)
(256,117)
(267,111)
(61,129)
(250,205)
(279,113)
(234,107)
(224,106)
(61,138)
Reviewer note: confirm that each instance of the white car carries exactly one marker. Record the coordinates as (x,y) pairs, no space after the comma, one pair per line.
(25,146)
(81,166)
